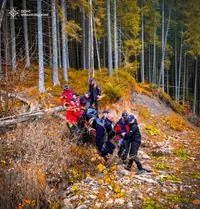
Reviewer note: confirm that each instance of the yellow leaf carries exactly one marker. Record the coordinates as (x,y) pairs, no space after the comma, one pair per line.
(75,188)
(117,188)
(101,167)
(3,161)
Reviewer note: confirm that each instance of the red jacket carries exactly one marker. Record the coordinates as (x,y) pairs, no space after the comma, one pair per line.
(73,112)
(119,128)
(66,97)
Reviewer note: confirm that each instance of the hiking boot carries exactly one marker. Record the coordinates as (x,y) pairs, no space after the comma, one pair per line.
(147,170)
(139,172)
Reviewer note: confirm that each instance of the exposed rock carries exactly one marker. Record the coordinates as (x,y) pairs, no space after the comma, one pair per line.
(124,172)
(109,202)
(70,206)
(125,181)
(164,190)
(151,104)
(88,180)
(92,197)
(67,204)
(98,204)
(149,180)
(143,155)
(130,205)
(75,197)
(140,196)
(119,201)
(82,207)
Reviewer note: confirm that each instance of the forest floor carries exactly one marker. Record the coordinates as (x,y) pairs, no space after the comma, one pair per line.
(42,168)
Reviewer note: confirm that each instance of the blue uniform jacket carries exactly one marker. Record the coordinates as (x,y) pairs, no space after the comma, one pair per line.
(94,93)
(134,134)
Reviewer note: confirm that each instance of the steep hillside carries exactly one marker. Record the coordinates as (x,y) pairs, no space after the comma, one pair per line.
(42,168)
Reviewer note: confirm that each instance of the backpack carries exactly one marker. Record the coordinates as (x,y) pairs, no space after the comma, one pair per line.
(91,113)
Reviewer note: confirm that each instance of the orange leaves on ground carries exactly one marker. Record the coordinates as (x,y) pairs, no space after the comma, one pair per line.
(176,122)
(27,203)
(196,202)
(144,88)
(143,112)
(41,179)
(101,194)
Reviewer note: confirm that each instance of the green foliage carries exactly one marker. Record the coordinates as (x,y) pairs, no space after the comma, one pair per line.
(131,67)
(99,11)
(55,205)
(176,122)
(170,177)
(113,92)
(171,103)
(191,11)
(125,78)
(176,198)
(196,175)
(129,14)
(152,130)
(163,166)
(73,30)
(152,20)
(143,112)
(133,47)
(183,154)
(119,85)
(151,204)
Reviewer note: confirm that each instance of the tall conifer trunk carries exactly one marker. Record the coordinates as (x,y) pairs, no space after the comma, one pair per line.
(142,38)
(195,88)
(55,47)
(13,40)
(26,41)
(110,65)
(115,35)
(64,42)
(40,47)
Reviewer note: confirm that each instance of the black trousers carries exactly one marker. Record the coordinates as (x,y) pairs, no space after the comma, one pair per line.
(133,155)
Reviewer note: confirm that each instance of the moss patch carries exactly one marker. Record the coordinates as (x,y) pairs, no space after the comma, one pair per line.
(176,198)
(151,204)
(170,177)
(152,130)
(183,154)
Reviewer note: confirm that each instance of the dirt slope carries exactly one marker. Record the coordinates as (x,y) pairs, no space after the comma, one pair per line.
(41,168)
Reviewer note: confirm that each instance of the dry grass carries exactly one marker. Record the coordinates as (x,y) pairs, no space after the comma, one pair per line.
(176,122)
(39,162)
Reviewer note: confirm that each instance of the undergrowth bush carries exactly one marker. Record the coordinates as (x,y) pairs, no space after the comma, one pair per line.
(152,130)
(171,103)
(113,93)
(151,204)
(183,154)
(42,159)
(176,122)
(143,112)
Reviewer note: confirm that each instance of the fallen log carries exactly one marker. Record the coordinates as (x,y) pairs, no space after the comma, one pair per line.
(15,119)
